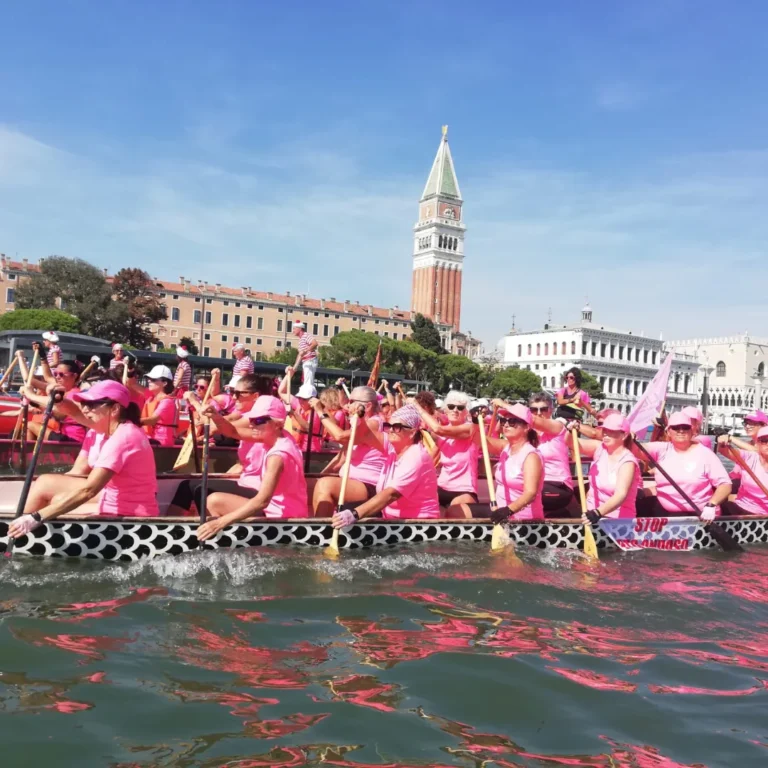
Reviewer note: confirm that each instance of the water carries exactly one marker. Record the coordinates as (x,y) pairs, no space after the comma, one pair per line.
(436,656)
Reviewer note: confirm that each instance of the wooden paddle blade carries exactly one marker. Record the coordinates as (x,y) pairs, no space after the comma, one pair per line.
(723,538)
(500,538)
(590,545)
(185,454)
(332,550)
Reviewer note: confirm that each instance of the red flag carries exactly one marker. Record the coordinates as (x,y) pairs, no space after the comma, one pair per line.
(374,377)
(649,405)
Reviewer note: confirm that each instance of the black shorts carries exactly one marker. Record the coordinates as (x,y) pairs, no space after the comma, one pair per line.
(370,488)
(191,490)
(555,496)
(445,498)
(57,437)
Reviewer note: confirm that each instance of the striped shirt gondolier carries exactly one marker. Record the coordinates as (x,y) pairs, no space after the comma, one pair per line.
(304,342)
(243,366)
(51,352)
(114,362)
(186,375)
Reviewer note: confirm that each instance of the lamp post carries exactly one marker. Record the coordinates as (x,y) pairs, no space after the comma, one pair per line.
(706,371)
(758,378)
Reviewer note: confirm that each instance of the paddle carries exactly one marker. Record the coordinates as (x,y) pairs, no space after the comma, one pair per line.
(190,443)
(195,447)
(23,418)
(206,461)
(332,550)
(719,534)
(9,371)
(500,537)
(311,429)
(52,400)
(88,368)
(736,456)
(590,545)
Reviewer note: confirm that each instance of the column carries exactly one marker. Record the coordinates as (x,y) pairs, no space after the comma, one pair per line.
(457,301)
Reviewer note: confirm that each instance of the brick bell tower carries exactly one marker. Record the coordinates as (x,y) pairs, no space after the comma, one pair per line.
(438,243)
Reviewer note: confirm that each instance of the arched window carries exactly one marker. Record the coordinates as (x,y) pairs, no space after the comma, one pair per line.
(529,349)
(686,383)
(538,349)
(573,348)
(719,399)
(553,382)
(677,382)
(733,401)
(738,401)
(519,350)
(761,369)
(546,348)
(720,369)
(562,348)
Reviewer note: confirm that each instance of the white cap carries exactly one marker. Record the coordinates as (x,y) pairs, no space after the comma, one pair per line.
(439,403)
(39,370)
(481,402)
(298,324)
(51,336)
(306,391)
(116,346)
(160,372)
(238,345)
(181,352)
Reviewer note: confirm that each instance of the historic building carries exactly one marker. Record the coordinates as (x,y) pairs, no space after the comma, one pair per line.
(438,243)
(623,362)
(736,374)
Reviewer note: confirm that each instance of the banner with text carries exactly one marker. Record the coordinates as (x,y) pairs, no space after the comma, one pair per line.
(667,533)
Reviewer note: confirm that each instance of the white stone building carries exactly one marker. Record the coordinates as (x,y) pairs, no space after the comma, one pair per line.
(623,362)
(737,379)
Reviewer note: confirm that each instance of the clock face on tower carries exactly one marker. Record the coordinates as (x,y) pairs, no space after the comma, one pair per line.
(448,211)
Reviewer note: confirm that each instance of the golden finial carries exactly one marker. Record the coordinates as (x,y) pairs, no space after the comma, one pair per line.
(445,131)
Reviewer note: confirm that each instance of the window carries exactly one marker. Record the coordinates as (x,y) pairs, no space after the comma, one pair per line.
(175,314)
(315,329)
(553,386)
(197,316)
(325,330)
(250,306)
(174,333)
(583,347)
(249,322)
(386,333)
(636,388)
(538,351)
(394,336)
(237,321)
(259,355)
(207,337)
(761,369)
(225,319)
(610,385)
(602,350)
(10,295)
(162,295)
(261,306)
(621,353)
(519,354)
(259,323)
(613,351)
(247,339)
(529,349)
(279,324)
(237,303)
(223,353)
(720,369)
(335,330)
(209,301)
(573,348)
(11,275)
(536,366)
(279,309)
(645,355)
(206,351)
(278,343)
(225,303)
(197,299)
(316,314)
(637,355)
(562,351)
(258,342)
(594,349)
(236,339)
(208,318)
(175,296)
(224,337)
(546,348)
(655,357)
(289,325)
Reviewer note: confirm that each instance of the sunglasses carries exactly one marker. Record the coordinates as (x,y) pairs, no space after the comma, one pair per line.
(752,424)
(540,409)
(238,393)
(762,440)
(259,421)
(681,428)
(396,428)
(60,375)
(511,421)
(459,408)
(201,386)
(93,404)
(570,378)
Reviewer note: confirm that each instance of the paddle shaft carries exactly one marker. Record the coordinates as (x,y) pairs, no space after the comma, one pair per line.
(736,456)
(193,432)
(88,368)
(32,466)
(334,545)
(9,370)
(590,545)
(486,460)
(308,454)
(204,479)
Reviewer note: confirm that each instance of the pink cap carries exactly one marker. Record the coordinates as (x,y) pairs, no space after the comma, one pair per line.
(763,432)
(757,416)
(266,405)
(519,412)
(693,413)
(379,397)
(104,390)
(616,423)
(680,418)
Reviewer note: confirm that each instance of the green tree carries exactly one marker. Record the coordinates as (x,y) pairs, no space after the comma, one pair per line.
(513,384)
(592,386)
(457,372)
(39,320)
(425,333)
(286,356)
(353,350)
(189,344)
(135,290)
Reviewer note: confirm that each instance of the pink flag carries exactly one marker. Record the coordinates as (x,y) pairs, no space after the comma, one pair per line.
(648,407)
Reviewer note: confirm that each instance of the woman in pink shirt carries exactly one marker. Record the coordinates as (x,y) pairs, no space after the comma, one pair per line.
(120,460)
(519,473)
(160,415)
(457,481)
(697,419)
(571,398)
(407,487)
(695,469)
(614,475)
(750,498)
(367,461)
(282,491)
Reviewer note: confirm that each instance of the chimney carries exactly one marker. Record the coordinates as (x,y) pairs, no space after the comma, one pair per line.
(370,312)
(346,305)
(244,289)
(4,260)
(322,303)
(106,272)
(391,313)
(269,294)
(333,298)
(25,263)
(288,294)
(297,299)
(218,287)
(201,284)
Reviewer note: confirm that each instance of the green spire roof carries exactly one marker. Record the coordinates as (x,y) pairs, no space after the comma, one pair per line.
(442,179)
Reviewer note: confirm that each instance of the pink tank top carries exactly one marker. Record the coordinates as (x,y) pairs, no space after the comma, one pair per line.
(367,462)
(458,464)
(290,496)
(750,497)
(509,482)
(69,427)
(603,474)
(251,457)
(557,460)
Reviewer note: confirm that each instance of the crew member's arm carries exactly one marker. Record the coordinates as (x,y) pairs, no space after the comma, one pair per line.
(624,479)
(532,469)
(460,431)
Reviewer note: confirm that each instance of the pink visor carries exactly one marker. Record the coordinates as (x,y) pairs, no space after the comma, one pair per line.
(680,418)
(758,417)
(519,412)
(615,422)
(104,390)
(763,432)
(266,405)
(693,413)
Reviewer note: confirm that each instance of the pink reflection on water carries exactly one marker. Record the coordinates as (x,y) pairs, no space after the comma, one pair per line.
(366,691)
(595,680)
(105,608)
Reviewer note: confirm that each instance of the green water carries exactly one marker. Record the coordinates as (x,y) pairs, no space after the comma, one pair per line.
(430,656)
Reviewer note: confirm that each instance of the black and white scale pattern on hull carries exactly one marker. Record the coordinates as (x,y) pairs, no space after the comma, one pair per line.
(136,540)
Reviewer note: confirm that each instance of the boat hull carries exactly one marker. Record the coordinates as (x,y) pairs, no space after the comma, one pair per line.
(131,539)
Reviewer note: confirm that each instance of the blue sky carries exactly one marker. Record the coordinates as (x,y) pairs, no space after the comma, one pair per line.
(610,150)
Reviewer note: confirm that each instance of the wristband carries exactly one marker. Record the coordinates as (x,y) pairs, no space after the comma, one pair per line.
(36,516)
(323,415)
(355,514)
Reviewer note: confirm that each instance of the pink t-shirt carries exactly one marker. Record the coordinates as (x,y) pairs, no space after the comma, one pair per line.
(224,404)
(290,496)
(251,457)
(750,498)
(132,491)
(510,485)
(164,430)
(367,462)
(317,427)
(704,440)
(557,460)
(603,474)
(414,476)
(697,471)
(69,427)
(91,446)
(458,464)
